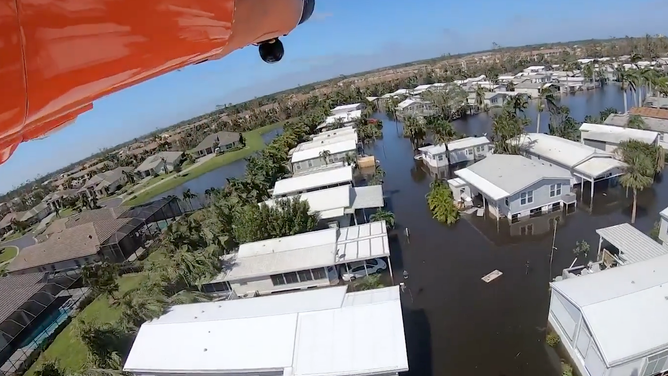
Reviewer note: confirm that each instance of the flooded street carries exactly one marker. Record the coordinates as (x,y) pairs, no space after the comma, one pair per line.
(457,324)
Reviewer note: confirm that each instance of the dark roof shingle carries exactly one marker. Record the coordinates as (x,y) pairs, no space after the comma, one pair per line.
(16,290)
(223,138)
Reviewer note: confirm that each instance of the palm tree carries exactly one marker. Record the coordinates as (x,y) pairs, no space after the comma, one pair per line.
(187,196)
(164,165)
(624,78)
(520,103)
(637,176)
(324,155)
(510,86)
(377,177)
(441,203)
(350,159)
(415,130)
(383,215)
(479,97)
(546,98)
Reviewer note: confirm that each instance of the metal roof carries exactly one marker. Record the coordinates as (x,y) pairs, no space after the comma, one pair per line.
(615,135)
(280,333)
(633,245)
(565,152)
(314,180)
(624,307)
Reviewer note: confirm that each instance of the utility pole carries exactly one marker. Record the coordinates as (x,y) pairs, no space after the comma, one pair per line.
(554,238)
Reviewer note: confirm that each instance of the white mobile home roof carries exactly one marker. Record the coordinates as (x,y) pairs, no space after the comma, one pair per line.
(500,175)
(624,307)
(333,133)
(633,245)
(337,201)
(566,152)
(282,333)
(316,143)
(346,108)
(316,249)
(344,117)
(464,143)
(612,134)
(314,180)
(338,147)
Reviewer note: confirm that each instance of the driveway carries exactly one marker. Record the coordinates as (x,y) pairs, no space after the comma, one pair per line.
(112,202)
(22,242)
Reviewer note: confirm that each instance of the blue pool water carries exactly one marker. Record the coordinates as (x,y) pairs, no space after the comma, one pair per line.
(49,326)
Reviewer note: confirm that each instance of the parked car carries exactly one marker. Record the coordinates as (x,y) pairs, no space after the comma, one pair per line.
(359,271)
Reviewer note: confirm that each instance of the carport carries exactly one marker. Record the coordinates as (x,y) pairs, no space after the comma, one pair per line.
(627,245)
(361,243)
(599,168)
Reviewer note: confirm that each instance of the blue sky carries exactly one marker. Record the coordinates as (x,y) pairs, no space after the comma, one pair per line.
(342,37)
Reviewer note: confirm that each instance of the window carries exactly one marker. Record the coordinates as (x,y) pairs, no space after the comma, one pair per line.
(310,163)
(319,273)
(555,190)
(507,202)
(656,364)
(277,279)
(305,275)
(469,151)
(440,157)
(298,166)
(291,277)
(526,197)
(526,230)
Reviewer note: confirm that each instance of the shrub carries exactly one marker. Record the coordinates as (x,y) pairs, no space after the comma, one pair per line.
(553,339)
(566,369)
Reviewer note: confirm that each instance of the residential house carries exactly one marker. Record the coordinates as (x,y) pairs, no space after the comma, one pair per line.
(491,99)
(414,107)
(334,133)
(300,334)
(160,163)
(656,102)
(221,141)
(535,69)
(467,149)
(36,213)
(80,177)
(328,178)
(340,119)
(337,205)
(655,120)
(585,163)
(663,227)
(348,108)
(536,78)
(608,137)
(585,312)
(528,88)
(106,183)
(512,186)
(303,261)
(110,234)
(323,154)
(6,222)
(55,199)
(420,89)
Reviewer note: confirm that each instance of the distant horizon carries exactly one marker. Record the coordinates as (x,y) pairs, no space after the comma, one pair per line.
(194,91)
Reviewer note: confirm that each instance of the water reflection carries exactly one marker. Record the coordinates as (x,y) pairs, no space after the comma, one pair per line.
(501,232)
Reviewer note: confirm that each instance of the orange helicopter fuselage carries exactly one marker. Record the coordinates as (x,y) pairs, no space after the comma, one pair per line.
(58,56)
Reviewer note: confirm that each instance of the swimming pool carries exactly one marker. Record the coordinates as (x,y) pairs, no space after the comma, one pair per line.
(49,326)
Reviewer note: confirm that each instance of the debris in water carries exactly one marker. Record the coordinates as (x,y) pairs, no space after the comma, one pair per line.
(492,276)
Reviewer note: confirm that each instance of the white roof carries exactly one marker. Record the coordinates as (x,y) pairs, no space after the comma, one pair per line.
(633,245)
(316,249)
(599,165)
(624,307)
(344,116)
(463,143)
(333,133)
(282,333)
(566,152)
(318,142)
(500,175)
(333,202)
(664,213)
(334,148)
(612,134)
(405,103)
(363,242)
(346,108)
(314,180)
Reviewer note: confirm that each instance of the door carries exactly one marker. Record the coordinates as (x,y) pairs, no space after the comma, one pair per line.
(12,80)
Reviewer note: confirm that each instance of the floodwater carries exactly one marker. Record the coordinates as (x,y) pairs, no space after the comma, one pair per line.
(455,323)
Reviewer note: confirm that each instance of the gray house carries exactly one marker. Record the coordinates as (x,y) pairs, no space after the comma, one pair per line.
(513,186)
(323,153)
(221,140)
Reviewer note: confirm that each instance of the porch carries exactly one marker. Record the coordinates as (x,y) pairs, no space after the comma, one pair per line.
(623,244)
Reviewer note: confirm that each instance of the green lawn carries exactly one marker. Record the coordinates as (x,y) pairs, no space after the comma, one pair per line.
(70,352)
(254,143)
(8,253)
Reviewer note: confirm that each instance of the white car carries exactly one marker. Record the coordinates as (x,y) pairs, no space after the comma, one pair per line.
(358,270)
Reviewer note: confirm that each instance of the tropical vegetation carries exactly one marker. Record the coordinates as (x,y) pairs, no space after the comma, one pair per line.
(441,203)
